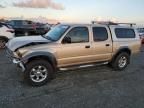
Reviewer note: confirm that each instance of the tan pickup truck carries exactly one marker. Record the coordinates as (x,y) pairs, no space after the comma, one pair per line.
(73,45)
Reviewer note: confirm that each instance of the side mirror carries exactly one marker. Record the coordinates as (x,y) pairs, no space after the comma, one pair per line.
(66,40)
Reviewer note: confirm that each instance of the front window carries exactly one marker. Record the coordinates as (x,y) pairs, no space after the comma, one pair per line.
(55,33)
(78,35)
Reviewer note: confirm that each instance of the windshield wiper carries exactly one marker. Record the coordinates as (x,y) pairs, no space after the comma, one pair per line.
(49,38)
(43,36)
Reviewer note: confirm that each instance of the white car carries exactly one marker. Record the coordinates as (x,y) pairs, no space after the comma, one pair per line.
(6,33)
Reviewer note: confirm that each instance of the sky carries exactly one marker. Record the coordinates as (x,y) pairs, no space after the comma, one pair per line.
(75,10)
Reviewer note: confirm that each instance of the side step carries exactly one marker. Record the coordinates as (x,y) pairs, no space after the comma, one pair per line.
(82,66)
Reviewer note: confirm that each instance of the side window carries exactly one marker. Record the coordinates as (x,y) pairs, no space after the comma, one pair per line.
(100,34)
(18,23)
(124,33)
(11,23)
(29,22)
(78,35)
(24,22)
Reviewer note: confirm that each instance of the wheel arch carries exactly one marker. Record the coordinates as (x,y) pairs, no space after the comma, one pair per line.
(4,37)
(121,50)
(41,55)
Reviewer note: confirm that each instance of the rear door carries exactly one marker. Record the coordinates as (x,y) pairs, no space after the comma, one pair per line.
(102,43)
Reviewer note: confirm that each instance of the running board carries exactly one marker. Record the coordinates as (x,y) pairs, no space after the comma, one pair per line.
(82,66)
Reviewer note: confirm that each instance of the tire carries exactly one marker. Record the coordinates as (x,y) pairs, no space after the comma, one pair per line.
(38,72)
(121,61)
(2,43)
(26,33)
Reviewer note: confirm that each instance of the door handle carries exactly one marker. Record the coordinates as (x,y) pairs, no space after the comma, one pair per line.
(107,44)
(87,46)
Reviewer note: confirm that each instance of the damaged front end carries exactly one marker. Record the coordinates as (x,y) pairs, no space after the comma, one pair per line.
(17,47)
(13,57)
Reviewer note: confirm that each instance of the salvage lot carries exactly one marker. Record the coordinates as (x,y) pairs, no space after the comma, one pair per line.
(85,88)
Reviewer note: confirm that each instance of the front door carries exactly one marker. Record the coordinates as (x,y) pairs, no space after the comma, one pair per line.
(76,47)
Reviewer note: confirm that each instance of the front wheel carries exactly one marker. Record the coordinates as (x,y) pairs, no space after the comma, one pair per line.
(38,72)
(121,61)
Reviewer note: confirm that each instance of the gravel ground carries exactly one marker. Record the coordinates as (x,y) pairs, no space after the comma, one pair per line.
(95,87)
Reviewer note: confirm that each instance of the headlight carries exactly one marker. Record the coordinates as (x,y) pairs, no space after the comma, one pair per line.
(15,54)
(21,52)
(18,53)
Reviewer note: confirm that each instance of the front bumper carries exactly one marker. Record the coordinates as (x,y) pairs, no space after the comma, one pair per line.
(15,60)
(19,64)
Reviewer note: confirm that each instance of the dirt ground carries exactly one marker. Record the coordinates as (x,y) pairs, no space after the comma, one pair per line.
(95,87)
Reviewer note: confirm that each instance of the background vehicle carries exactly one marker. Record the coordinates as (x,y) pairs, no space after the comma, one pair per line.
(6,33)
(141,34)
(26,27)
(73,46)
(42,29)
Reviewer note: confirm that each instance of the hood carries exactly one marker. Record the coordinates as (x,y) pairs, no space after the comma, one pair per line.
(18,42)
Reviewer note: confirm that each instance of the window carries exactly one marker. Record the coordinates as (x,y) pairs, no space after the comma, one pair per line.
(29,22)
(11,23)
(140,30)
(124,33)
(18,23)
(100,34)
(26,22)
(78,35)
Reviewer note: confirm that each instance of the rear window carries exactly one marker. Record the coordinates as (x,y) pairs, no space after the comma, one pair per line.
(124,33)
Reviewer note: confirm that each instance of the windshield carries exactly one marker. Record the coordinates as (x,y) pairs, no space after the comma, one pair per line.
(55,33)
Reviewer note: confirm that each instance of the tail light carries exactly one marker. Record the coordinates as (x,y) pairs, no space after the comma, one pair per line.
(11,31)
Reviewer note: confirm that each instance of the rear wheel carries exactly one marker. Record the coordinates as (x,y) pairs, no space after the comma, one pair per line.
(121,61)
(2,43)
(26,33)
(38,72)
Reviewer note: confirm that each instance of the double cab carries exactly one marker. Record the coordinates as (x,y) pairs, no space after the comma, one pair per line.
(73,45)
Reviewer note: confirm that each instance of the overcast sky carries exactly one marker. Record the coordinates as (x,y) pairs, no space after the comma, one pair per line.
(75,10)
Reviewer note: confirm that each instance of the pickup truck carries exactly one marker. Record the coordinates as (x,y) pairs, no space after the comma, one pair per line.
(68,46)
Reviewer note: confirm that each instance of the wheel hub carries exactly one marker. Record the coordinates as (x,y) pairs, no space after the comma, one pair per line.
(38,73)
(122,62)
